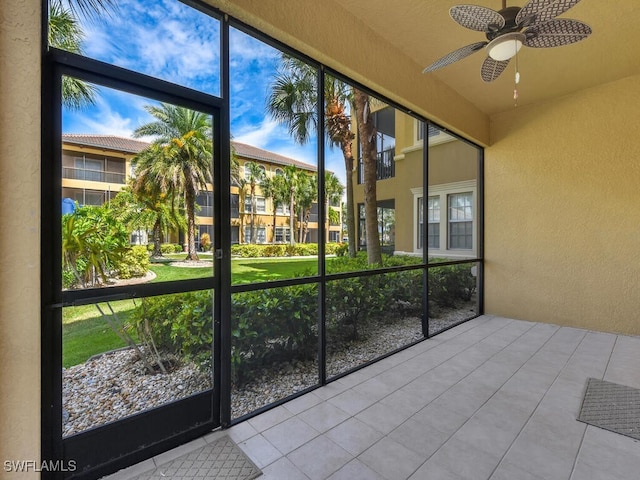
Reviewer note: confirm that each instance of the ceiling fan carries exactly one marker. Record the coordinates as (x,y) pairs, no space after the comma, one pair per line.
(534,25)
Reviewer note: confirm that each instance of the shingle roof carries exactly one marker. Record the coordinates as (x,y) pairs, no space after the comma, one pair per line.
(129,145)
(111,142)
(254,153)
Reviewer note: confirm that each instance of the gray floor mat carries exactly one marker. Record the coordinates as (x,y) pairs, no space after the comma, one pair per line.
(612,407)
(221,459)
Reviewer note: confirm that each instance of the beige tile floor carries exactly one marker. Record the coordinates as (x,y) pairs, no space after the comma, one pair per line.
(494,398)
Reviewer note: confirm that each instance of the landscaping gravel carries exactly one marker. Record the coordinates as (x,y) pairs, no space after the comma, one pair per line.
(116,384)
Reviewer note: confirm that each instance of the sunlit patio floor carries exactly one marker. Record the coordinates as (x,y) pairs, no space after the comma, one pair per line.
(494,398)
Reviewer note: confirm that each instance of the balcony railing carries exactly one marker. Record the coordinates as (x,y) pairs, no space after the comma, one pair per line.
(93,175)
(385,166)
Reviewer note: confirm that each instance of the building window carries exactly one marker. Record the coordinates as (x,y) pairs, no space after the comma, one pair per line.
(461,221)
(282,209)
(235,206)
(204,200)
(451,219)
(261,234)
(235,234)
(279,172)
(334,236)
(433,219)
(247,172)
(283,235)
(261,205)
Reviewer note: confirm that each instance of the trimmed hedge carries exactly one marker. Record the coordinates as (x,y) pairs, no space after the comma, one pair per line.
(251,250)
(280,324)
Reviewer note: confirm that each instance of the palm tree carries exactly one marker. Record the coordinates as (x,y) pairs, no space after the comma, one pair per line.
(275,189)
(179,159)
(333,191)
(293,101)
(143,205)
(306,195)
(65,33)
(254,175)
(367,135)
(290,177)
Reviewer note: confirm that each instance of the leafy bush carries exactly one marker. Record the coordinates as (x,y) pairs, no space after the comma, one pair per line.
(450,284)
(93,242)
(134,263)
(250,250)
(273,325)
(179,323)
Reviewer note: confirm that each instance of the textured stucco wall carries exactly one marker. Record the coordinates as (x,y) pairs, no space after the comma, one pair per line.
(563,210)
(330,34)
(19,233)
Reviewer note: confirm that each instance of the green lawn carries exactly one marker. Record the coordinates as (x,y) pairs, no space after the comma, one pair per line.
(86,333)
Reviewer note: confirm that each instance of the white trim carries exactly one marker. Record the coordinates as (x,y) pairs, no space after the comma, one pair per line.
(444,190)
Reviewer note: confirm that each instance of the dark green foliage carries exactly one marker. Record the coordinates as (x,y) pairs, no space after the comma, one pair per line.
(179,323)
(451,284)
(280,324)
(274,325)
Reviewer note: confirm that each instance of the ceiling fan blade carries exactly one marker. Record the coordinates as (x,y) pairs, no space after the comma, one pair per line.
(538,11)
(491,69)
(555,33)
(454,56)
(477,18)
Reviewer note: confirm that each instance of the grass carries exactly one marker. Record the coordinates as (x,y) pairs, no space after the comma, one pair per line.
(86,333)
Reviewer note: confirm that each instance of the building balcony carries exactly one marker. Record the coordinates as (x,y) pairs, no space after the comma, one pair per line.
(93,175)
(385,166)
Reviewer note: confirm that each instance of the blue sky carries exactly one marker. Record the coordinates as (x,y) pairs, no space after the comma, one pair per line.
(169,40)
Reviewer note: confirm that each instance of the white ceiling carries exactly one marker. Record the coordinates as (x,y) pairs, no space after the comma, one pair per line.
(424,31)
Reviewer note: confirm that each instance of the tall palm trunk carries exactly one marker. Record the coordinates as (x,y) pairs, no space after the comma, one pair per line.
(190,201)
(157,239)
(351,219)
(253,214)
(292,222)
(367,134)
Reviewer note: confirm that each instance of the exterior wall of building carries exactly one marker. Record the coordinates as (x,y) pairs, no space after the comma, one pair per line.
(562,212)
(20,233)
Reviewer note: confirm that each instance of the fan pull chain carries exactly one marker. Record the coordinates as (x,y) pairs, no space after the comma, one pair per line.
(516,82)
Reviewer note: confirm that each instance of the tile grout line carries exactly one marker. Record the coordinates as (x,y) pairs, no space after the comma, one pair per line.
(542,398)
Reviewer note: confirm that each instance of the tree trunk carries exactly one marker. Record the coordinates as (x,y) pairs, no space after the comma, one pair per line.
(253,214)
(157,240)
(367,135)
(351,220)
(190,202)
(292,222)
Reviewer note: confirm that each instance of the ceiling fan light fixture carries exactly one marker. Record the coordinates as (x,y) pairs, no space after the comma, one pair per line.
(505,46)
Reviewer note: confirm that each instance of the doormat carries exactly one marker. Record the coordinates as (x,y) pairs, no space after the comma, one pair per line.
(611,406)
(221,459)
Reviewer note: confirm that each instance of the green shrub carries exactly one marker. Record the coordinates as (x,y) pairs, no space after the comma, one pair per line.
(134,263)
(179,323)
(168,248)
(274,325)
(451,284)
(339,249)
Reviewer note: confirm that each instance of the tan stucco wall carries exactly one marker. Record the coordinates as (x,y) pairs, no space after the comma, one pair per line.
(563,210)
(330,34)
(19,233)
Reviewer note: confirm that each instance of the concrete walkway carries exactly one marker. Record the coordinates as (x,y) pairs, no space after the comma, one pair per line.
(493,398)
